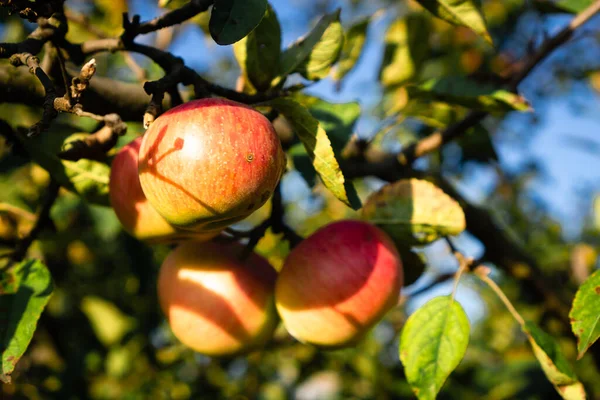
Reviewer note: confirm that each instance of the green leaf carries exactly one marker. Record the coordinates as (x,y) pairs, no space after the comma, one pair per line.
(432,113)
(553,362)
(314,54)
(338,120)
(433,342)
(108,322)
(585,313)
(462,91)
(414,212)
(406,48)
(413,264)
(459,12)
(258,53)
(303,164)
(24,292)
(319,148)
(231,20)
(87,178)
(477,145)
(352,49)
(562,6)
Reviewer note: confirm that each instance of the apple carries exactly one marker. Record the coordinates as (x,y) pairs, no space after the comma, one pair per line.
(136,214)
(215,302)
(208,163)
(338,283)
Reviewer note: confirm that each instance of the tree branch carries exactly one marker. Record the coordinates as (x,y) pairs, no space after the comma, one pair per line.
(174,17)
(437,139)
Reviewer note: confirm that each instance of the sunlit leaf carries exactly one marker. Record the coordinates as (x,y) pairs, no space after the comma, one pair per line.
(352,49)
(585,313)
(108,322)
(338,120)
(462,91)
(432,344)
(553,362)
(319,148)
(432,113)
(258,53)
(406,47)
(24,292)
(231,20)
(314,54)
(459,12)
(87,178)
(414,212)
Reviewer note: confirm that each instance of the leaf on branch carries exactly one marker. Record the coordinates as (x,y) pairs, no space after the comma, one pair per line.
(413,264)
(562,6)
(352,49)
(433,113)
(585,314)
(231,20)
(432,344)
(459,12)
(414,212)
(313,55)
(460,90)
(406,48)
(86,178)
(338,120)
(553,362)
(258,53)
(319,148)
(476,145)
(24,292)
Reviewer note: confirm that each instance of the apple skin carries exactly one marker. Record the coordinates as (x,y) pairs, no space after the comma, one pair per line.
(209,163)
(136,214)
(215,303)
(338,283)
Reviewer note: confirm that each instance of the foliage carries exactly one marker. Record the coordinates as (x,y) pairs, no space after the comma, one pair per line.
(79,314)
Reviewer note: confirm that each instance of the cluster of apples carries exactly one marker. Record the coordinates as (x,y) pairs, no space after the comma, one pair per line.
(207,164)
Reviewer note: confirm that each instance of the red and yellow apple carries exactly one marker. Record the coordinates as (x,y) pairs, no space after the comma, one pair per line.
(216,303)
(338,283)
(136,214)
(208,163)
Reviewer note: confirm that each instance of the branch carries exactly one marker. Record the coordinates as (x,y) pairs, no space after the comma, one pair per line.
(175,17)
(437,139)
(96,145)
(170,63)
(49,112)
(33,10)
(275,222)
(48,29)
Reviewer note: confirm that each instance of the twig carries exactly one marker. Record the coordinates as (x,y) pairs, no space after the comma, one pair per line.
(275,222)
(96,145)
(84,21)
(48,29)
(437,139)
(483,273)
(49,112)
(33,10)
(174,17)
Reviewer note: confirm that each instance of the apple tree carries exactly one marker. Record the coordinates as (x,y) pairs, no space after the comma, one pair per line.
(321,199)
